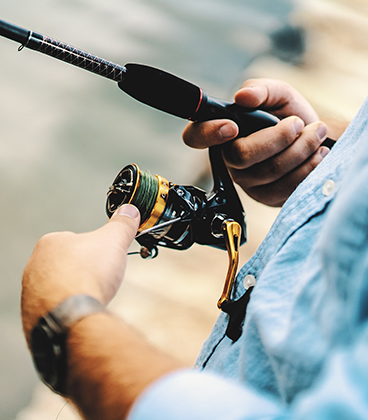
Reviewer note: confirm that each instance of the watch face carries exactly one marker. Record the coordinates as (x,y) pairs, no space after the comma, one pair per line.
(49,336)
(48,350)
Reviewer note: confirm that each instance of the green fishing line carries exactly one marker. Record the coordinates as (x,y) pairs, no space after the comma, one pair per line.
(146,194)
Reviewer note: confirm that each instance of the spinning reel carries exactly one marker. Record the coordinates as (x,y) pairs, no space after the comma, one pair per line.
(177,216)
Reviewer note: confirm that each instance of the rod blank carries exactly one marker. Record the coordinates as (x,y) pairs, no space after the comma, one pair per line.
(62,51)
(13,32)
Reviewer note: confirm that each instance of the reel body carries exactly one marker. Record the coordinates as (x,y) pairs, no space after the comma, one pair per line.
(176,216)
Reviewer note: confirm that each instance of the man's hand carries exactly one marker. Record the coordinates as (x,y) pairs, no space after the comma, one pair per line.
(270,163)
(65,264)
(108,363)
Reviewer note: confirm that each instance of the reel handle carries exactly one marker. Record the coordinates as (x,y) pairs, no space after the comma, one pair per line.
(231,231)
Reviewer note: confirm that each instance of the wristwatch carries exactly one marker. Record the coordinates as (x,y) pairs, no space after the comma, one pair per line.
(49,337)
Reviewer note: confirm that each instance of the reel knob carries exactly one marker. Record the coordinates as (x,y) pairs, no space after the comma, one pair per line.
(147,253)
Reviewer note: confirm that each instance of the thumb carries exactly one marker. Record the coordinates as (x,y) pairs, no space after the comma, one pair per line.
(127,210)
(209,133)
(123,225)
(105,250)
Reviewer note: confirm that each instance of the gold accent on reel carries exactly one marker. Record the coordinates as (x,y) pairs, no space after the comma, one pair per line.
(232,233)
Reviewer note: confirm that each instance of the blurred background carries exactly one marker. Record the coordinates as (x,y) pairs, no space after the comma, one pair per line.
(65,134)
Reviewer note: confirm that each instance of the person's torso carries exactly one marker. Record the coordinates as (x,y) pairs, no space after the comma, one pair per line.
(283,345)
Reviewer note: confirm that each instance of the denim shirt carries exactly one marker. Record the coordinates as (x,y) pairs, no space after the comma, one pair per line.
(303,352)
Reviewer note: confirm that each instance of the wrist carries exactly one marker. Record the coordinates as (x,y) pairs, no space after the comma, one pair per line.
(42,296)
(48,339)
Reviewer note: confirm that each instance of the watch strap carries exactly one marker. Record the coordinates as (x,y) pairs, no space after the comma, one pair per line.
(73,309)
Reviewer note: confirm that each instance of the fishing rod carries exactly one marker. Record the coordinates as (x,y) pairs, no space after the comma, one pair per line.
(149,85)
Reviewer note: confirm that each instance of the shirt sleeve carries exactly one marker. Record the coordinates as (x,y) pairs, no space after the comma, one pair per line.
(340,392)
(200,395)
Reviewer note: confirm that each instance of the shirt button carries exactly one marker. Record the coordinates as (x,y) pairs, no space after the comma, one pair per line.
(249,281)
(328,187)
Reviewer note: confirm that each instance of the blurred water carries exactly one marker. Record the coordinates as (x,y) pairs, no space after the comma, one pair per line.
(65,133)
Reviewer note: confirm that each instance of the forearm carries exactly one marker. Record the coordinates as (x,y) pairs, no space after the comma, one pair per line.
(109,365)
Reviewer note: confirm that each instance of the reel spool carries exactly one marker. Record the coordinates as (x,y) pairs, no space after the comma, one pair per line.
(148,193)
(162,207)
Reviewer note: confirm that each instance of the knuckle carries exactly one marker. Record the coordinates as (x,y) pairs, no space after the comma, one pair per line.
(206,136)
(237,176)
(46,240)
(285,133)
(188,134)
(235,154)
(276,166)
(313,134)
(314,161)
(50,240)
(312,140)
(196,135)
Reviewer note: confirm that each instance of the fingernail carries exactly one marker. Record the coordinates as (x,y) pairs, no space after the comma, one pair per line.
(324,151)
(298,125)
(127,210)
(228,131)
(322,131)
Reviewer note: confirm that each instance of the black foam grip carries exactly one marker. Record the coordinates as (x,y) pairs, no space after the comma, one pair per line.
(161,90)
